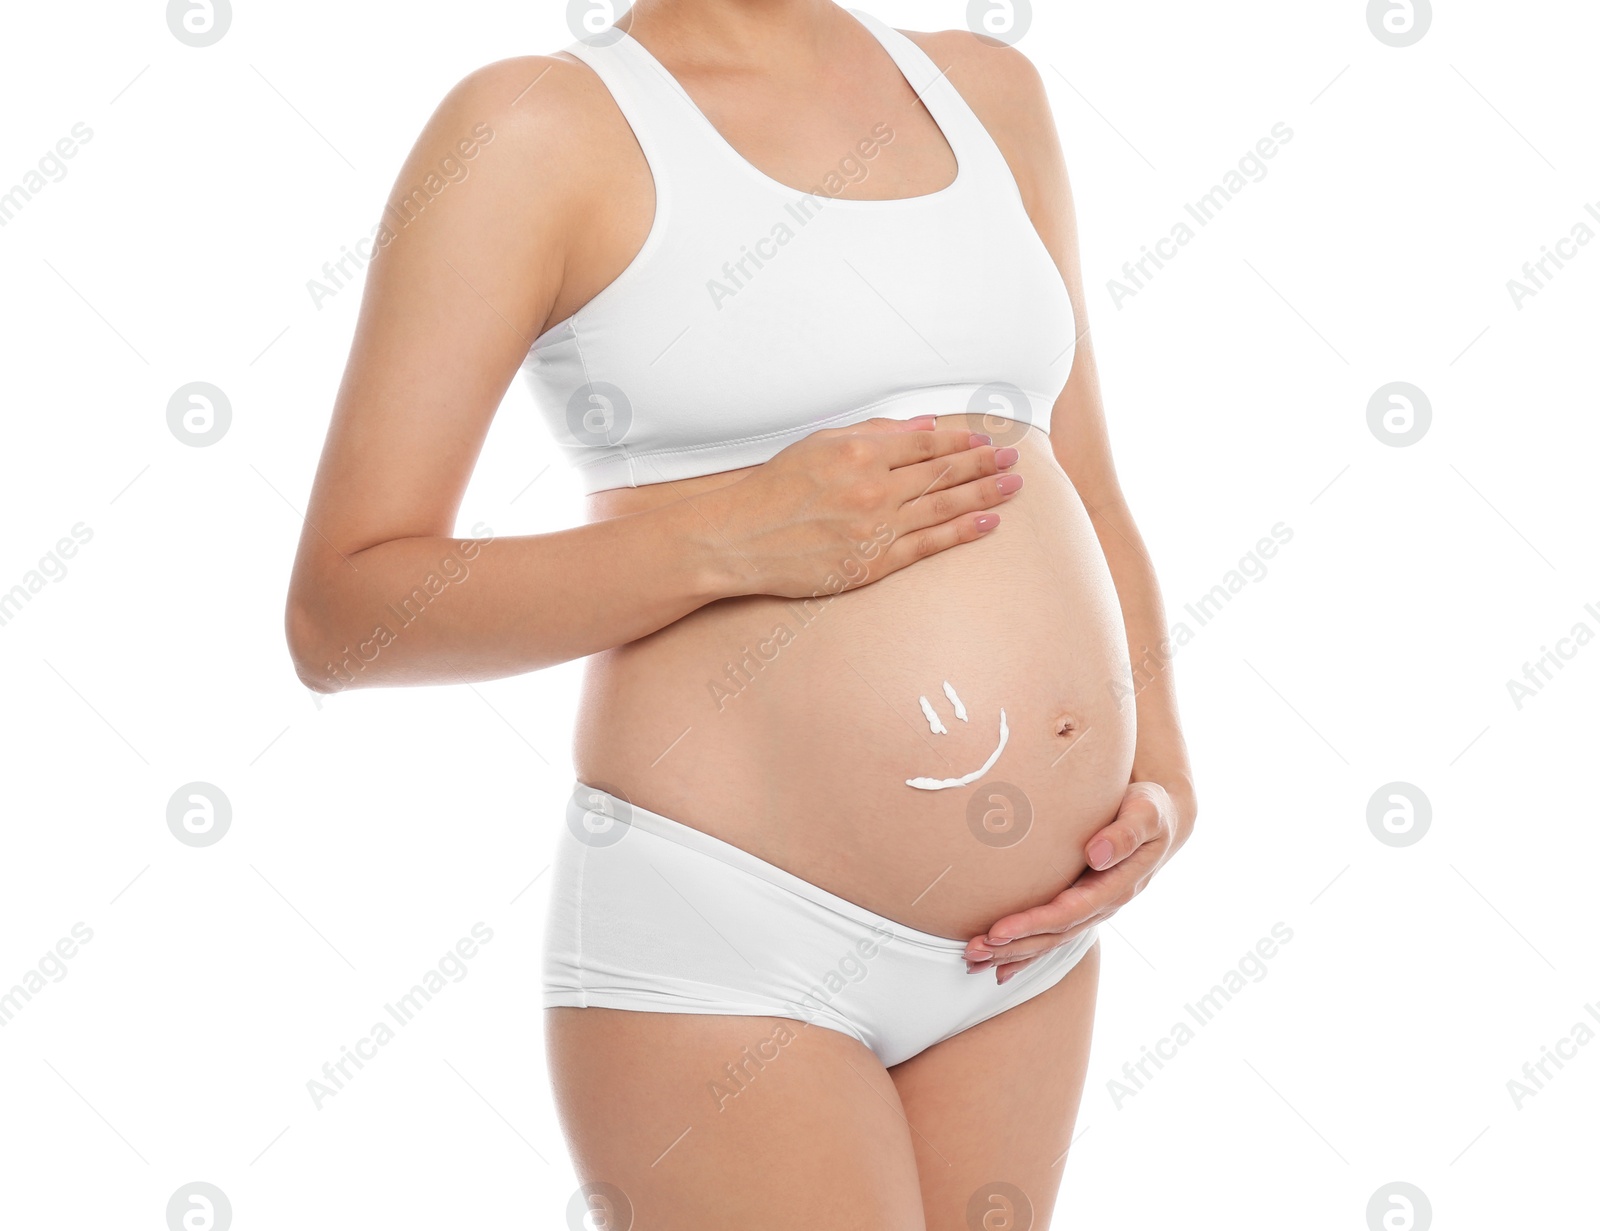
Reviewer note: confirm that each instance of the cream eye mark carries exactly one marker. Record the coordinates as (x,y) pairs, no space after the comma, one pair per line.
(938,728)
(934,725)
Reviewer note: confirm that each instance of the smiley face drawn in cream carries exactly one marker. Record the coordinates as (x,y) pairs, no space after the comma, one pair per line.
(938,728)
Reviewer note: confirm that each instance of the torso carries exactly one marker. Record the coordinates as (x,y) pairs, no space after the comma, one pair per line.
(790,729)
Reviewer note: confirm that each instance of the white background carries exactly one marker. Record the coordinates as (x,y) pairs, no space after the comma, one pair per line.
(370,831)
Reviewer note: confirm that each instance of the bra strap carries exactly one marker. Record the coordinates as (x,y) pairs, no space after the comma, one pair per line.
(974,148)
(663,119)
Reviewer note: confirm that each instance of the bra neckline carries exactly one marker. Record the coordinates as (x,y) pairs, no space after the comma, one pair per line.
(943,125)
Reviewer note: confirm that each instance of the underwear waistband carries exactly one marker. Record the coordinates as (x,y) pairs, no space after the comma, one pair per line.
(591,808)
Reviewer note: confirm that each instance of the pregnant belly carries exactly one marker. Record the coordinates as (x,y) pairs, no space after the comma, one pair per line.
(936,746)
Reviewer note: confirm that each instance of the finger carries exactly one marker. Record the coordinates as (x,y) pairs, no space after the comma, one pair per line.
(1011,969)
(908,548)
(980,952)
(1062,911)
(898,445)
(916,481)
(1138,821)
(1037,946)
(1099,895)
(945,504)
(921,423)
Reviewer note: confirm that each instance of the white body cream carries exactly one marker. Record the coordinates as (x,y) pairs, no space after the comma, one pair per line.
(940,784)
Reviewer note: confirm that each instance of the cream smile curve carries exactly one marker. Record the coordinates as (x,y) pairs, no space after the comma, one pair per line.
(939,784)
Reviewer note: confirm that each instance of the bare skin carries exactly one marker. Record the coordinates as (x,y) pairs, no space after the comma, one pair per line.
(825,1136)
(554,208)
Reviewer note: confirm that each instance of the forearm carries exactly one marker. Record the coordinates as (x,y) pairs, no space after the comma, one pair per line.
(438,610)
(1160,754)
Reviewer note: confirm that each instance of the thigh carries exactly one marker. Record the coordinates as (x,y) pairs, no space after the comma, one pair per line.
(991,1110)
(721,1121)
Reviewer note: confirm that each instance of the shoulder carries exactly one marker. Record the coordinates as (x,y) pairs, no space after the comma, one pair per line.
(999,83)
(542,101)
(530,134)
(1007,93)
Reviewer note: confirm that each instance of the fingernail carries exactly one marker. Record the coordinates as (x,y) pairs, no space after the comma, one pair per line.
(998,940)
(1004,457)
(1100,853)
(978,438)
(986,521)
(1008,483)
(928,419)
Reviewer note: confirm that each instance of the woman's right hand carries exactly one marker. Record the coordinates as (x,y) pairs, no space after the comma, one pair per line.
(847,506)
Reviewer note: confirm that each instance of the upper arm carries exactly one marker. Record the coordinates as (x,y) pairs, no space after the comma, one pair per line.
(1004,89)
(467,265)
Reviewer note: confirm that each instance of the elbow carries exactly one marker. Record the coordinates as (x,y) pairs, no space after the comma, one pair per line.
(1188,804)
(307,645)
(318,682)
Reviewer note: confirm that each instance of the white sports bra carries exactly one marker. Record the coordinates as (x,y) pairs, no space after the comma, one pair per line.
(756,314)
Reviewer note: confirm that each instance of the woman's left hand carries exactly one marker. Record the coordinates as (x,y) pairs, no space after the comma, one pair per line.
(1148,829)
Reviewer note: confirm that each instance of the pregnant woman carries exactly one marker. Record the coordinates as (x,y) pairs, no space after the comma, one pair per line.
(876,725)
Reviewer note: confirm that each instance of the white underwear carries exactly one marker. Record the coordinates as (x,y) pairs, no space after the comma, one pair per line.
(649,914)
